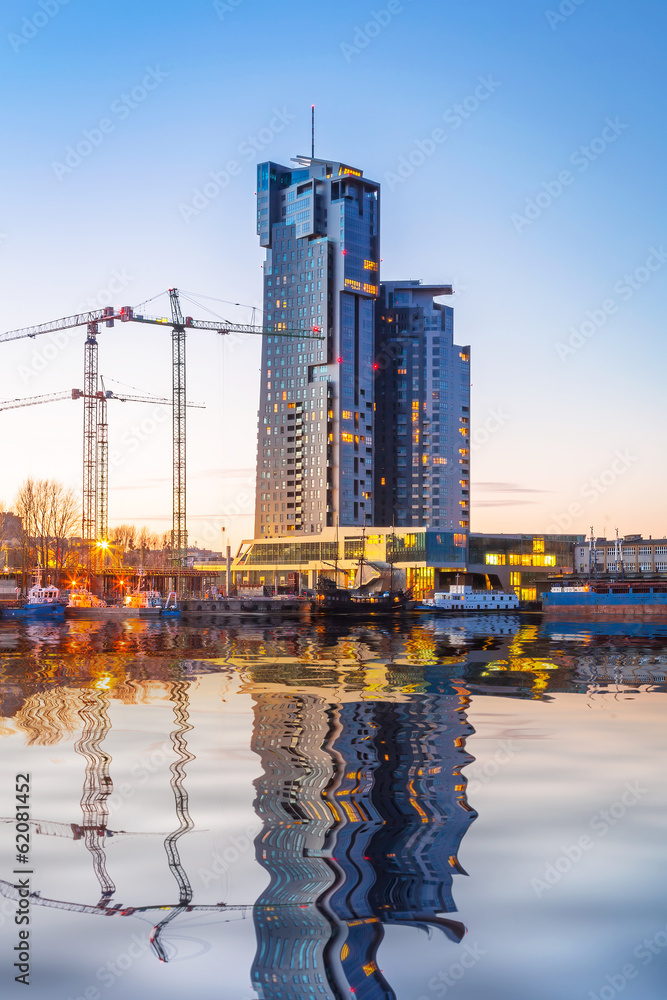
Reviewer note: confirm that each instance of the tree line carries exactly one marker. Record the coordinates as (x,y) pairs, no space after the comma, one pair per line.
(50,527)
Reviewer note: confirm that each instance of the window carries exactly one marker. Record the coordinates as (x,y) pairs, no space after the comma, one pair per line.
(495,559)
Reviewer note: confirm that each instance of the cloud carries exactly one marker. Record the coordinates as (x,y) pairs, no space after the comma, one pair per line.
(506,488)
(502,503)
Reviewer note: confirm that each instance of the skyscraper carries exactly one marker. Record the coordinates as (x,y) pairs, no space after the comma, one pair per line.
(319,221)
(422,419)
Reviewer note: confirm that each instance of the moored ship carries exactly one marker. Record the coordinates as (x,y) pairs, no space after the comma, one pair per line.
(41,602)
(333,600)
(461,598)
(259,605)
(140,604)
(645,599)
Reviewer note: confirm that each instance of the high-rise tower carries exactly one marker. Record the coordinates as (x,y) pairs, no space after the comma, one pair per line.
(319,221)
(422,466)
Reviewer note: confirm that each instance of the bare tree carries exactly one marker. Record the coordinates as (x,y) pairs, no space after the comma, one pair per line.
(125,536)
(49,516)
(64,517)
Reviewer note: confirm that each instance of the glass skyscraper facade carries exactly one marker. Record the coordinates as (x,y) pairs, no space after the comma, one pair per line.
(422,419)
(364,808)
(319,221)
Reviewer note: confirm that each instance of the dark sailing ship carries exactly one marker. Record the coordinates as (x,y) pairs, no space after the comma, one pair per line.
(334,600)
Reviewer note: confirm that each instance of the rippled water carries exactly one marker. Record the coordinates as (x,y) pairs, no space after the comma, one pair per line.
(468,808)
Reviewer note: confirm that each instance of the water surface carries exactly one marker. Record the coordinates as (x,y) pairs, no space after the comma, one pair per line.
(469,808)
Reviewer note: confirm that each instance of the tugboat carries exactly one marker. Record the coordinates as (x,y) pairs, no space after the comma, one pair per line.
(41,602)
(138,604)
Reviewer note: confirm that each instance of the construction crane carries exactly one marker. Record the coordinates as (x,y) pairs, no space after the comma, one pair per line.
(97,786)
(179,324)
(101,492)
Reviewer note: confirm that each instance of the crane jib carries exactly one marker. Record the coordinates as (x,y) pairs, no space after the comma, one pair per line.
(95,427)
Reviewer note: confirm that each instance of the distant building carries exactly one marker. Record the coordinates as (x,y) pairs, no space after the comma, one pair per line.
(523,563)
(629,555)
(422,418)
(421,559)
(416,559)
(319,221)
(11,530)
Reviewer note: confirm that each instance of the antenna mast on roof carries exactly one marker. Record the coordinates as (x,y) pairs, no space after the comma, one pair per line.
(312,144)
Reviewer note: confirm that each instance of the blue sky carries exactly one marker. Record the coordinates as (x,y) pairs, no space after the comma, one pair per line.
(542,199)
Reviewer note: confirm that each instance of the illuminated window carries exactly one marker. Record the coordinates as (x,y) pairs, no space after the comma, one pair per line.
(347,414)
(370,265)
(351,283)
(347,438)
(515,579)
(438,460)
(371,289)
(495,559)
(538,545)
(382,482)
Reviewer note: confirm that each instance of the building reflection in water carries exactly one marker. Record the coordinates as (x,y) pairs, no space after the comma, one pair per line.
(363,808)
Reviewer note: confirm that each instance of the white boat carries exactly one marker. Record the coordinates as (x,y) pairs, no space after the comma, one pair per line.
(463,598)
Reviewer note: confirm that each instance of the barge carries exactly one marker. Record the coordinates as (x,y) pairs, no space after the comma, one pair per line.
(230,607)
(645,599)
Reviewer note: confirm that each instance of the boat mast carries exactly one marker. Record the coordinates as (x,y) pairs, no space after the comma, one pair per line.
(391,560)
(360,566)
(336,558)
